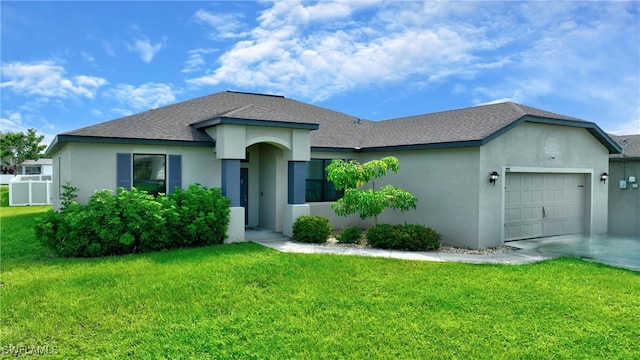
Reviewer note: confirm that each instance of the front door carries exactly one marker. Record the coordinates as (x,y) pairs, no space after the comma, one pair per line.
(244,193)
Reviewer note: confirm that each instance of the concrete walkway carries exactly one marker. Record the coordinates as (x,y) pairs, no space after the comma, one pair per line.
(281,243)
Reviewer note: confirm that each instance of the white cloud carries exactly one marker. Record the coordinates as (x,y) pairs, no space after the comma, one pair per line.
(196,59)
(225,25)
(145,48)
(46,78)
(143,97)
(12,123)
(17,122)
(630,128)
(281,57)
(580,54)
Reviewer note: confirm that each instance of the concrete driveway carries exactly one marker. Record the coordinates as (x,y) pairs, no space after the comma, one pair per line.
(619,252)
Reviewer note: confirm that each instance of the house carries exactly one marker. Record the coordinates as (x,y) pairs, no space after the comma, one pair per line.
(37,167)
(624,189)
(483,175)
(28,167)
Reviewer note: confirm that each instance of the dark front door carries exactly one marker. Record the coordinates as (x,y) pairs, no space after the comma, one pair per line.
(244,193)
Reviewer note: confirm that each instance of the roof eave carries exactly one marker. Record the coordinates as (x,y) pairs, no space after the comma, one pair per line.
(443,145)
(250,122)
(60,140)
(624,158)
(53,147)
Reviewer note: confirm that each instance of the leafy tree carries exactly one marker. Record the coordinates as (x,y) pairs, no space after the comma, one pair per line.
(368,202)
(15,148)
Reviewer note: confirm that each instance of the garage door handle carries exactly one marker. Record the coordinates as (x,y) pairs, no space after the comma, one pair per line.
(544,214)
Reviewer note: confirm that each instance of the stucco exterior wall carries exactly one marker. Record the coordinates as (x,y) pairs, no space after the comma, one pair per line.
(91,167)
(446,190)
(541,148)
(273,186)
(624,204)
(440,179)
(253,166)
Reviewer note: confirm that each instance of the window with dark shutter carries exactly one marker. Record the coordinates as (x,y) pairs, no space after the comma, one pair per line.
(149,173)
(318,188)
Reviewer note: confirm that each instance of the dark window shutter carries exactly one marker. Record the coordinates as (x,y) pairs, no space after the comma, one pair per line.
(175,172)
(123,170)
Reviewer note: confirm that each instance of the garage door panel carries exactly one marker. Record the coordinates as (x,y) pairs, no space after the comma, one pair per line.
(559,196)
(537,196)
(515,198)
(543,205)
(527,230)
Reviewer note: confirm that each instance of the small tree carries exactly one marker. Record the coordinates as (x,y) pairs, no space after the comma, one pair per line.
(15,148)
(368,202)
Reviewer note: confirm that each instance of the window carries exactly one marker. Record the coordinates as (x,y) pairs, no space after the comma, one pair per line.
(149,173)
(32,170)
(318,188)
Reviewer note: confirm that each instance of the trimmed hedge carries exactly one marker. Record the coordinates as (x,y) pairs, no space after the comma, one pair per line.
(403,237)
(311,229)
(350,235)
(134,222)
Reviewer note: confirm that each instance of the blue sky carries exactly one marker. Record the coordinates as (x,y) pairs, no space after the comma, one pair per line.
(67,65)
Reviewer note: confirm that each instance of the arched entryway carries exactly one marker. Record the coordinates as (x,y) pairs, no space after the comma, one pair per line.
(273,156)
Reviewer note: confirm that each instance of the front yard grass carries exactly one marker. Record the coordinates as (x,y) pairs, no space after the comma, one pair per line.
(246,301)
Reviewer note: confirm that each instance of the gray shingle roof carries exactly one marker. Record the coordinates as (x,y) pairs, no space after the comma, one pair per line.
(336,130)
(469,124)
(173,122)
(631,150)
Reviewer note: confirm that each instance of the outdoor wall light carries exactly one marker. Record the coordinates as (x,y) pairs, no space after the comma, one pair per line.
(604,177)
(494,177)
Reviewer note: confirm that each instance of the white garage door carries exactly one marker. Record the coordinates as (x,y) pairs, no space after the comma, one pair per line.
(539,204)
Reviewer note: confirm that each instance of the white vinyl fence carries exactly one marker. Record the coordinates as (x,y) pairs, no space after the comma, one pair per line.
(30,190)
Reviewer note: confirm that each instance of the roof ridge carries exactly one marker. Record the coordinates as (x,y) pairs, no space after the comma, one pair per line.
(517,107)
(252,93)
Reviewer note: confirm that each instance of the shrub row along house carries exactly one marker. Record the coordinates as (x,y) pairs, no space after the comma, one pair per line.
(483,175)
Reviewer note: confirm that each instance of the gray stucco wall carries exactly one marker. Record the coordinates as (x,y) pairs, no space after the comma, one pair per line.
(273,186)
(91,167)
(446,188)
(624,204)
(442,180)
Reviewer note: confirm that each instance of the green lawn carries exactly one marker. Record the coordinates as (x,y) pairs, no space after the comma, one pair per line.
(245,301)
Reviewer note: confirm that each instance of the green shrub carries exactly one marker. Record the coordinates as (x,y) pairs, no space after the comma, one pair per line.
(204,208)
(311,229)
(350,235)
(134,221)
(381,236)
(403,237)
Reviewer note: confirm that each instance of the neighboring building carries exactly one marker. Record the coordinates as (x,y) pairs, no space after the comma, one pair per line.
(28,167)
(36,167)
(624,188)
(267,154)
